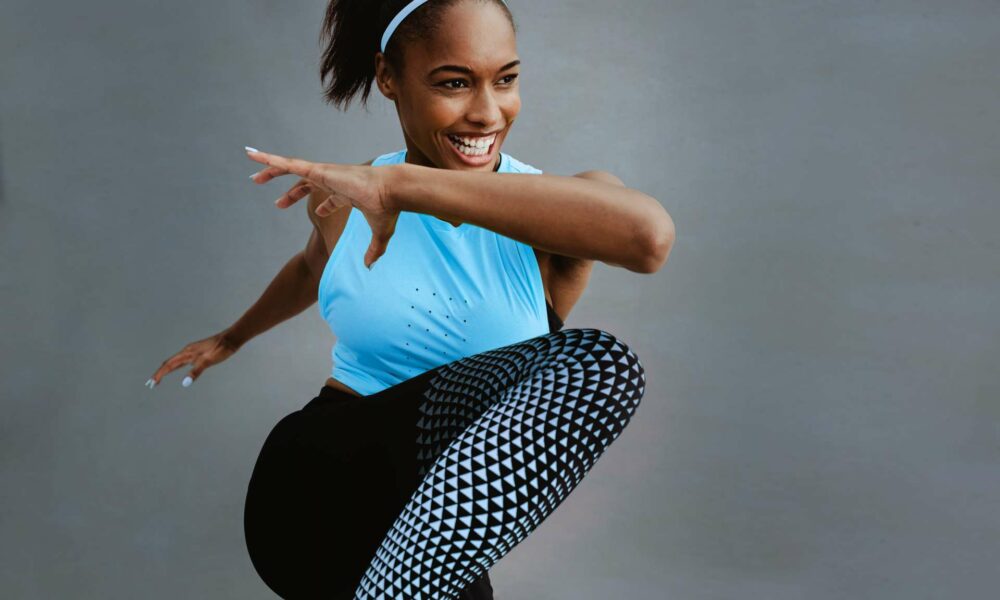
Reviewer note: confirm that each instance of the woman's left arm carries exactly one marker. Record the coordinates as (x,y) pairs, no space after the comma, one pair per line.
(591,216)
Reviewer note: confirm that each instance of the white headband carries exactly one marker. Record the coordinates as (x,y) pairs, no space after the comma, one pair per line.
(394,23)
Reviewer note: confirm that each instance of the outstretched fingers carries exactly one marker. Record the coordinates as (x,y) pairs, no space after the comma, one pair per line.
(302,168)
(295,193)
(172,364)
(332,204)
(267,174)
(312,176)
(381,234)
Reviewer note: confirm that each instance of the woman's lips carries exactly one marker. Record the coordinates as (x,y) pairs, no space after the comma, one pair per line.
(474,161)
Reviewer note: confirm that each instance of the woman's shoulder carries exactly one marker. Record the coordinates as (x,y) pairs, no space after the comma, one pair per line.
(389,158)
(517,166)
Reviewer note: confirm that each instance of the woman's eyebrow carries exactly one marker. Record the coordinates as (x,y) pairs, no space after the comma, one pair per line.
(467,70)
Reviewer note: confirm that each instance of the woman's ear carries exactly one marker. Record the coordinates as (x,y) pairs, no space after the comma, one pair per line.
(383,77)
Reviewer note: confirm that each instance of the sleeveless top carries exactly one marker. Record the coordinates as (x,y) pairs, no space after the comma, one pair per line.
(437,294)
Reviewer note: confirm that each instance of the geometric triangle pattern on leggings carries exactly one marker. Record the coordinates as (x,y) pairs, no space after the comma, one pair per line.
(504,436)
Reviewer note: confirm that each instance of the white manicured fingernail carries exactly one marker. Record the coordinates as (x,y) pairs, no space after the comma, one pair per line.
(249,149)
(187,381)
(150,383)
(254,175)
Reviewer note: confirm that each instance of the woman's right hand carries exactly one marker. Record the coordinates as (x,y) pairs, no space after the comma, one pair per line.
(202,354)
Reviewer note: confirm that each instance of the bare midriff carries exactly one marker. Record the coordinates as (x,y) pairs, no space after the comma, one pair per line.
(330,381)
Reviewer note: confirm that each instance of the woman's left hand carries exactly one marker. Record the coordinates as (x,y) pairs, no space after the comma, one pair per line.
(361,186)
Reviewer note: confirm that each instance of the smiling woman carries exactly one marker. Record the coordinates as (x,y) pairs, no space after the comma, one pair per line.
(459,414)
(457,94)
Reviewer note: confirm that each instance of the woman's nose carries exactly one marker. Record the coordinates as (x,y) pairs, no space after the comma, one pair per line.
(485,108)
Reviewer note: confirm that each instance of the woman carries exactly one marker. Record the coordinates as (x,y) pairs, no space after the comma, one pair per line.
(458,415)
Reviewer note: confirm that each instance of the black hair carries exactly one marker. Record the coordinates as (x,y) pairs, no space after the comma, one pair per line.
(352,31)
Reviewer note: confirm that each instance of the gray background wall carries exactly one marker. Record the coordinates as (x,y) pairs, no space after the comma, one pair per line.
(821,418)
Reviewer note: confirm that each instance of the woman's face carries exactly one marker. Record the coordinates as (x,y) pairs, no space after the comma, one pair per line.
(463,81)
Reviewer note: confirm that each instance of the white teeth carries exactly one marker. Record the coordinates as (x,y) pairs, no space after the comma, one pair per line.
(472,146)
(479,142)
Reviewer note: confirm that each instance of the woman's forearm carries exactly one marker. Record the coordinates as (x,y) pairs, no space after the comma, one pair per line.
(292,290)
(581,217)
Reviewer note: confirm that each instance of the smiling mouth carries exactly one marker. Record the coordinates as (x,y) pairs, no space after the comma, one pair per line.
(475,150)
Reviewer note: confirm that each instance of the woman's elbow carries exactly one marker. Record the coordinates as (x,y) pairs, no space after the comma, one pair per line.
(659,244)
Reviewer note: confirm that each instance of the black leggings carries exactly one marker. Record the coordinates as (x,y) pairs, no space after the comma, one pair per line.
(417,490)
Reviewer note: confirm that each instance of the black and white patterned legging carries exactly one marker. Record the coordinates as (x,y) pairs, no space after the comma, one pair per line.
(416,491)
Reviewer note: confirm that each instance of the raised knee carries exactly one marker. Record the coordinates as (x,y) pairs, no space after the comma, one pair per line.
(602,338)
(606,346)
(592,334)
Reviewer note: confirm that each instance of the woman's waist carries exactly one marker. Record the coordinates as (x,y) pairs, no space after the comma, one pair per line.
(340,387)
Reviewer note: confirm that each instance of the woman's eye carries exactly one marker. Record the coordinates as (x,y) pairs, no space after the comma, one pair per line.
(446,84)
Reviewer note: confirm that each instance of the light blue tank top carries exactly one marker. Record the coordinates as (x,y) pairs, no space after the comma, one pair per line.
(439,293)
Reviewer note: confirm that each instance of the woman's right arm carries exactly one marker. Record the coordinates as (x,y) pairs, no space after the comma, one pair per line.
(293,289)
